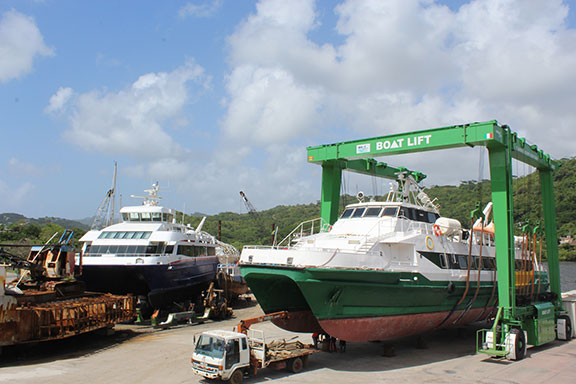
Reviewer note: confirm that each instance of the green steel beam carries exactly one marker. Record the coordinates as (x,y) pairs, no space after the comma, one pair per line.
(501,182)
(486,134)
(331,181)
(549,212)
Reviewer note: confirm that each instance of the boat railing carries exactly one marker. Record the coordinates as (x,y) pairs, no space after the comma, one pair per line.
(306,228)
(405,225)
(420,227)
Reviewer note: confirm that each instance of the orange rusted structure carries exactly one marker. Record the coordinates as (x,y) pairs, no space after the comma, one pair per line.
(23,321)
(46,303)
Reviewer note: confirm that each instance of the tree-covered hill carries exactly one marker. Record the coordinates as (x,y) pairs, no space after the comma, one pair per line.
(13,218)
(455,202)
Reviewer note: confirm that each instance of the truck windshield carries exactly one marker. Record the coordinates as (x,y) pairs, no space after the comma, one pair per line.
(210,346)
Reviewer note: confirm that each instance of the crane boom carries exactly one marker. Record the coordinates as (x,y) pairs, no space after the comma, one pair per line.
(251,209)
(106,211)
(245,324)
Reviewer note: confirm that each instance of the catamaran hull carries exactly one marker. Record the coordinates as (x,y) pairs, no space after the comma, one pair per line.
(367,305)
(392,327)
(162,284)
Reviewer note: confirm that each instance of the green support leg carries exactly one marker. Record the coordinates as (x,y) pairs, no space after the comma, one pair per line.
(501,176)
(331,181)
(548,208)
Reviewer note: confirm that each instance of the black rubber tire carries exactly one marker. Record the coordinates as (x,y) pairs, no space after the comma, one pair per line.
(222,309)
(520,344)
(568,327)
(305,361)
(296,365)
(236,377)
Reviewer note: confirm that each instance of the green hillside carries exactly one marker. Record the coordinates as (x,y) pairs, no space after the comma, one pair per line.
(455,202)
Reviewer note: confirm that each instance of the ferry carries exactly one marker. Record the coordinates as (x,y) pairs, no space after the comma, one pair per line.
(385,270)
(149,254)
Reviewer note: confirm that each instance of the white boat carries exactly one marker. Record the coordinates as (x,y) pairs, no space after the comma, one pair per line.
(149,254)
(384,270)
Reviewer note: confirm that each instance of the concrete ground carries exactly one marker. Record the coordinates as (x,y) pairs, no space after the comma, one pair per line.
(140,354)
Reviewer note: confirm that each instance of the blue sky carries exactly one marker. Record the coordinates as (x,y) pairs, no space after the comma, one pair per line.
(211,97)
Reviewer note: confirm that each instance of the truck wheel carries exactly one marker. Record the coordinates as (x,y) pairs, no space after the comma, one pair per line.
(296,365)
(237,377)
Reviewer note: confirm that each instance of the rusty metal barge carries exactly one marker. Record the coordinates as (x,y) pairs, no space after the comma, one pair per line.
(46,303)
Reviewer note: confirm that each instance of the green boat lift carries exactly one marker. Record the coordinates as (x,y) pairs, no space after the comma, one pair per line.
(515,326)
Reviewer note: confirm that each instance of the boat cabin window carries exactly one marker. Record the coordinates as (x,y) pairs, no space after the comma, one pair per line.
(124,235)
(147,216)
(347,213)
(358,212)
(119,250)
(421,216)
(418,215)
(405,213)
(373,212)
(188,250)
(169,249)
(390,211)
(153,249)
(195,251)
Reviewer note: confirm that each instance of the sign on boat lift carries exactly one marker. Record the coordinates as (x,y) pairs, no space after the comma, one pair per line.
(515,325)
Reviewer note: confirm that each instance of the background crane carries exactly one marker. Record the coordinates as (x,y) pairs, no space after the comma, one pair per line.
(105,213)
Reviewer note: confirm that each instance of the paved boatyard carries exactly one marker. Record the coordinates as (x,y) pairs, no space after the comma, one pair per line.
(140,354)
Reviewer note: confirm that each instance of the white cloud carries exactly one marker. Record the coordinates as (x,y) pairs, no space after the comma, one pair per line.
(403,65)
(132,121)
(207,9)
(22,168)
(20,43)
(268,106)
(59,99)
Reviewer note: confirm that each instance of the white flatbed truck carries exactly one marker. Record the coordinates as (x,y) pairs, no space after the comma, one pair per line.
(229,355)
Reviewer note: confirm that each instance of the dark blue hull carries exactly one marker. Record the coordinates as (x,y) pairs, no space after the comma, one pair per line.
(163,284)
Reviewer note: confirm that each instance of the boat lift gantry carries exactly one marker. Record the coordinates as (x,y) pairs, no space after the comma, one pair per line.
(539,320)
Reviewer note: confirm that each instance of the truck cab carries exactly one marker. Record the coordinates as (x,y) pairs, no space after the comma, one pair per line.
(220,354)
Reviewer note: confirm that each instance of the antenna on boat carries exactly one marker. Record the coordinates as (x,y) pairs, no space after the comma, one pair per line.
(152,198)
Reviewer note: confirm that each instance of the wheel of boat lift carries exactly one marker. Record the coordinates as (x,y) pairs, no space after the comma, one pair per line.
(296,365)
(236,377)
(519,344)
(564,328)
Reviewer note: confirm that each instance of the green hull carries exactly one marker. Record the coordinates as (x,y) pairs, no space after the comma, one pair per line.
(319,296)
